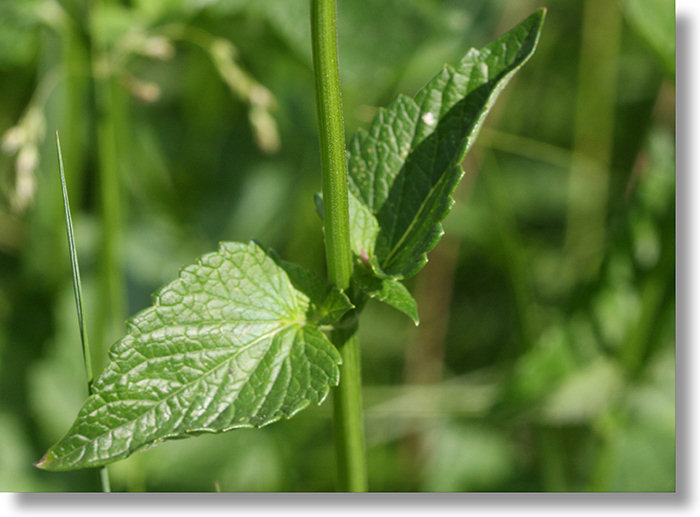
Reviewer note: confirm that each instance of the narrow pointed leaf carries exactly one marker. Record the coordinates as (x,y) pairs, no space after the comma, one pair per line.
(78,293)
(75,269)
(405,167)
(229,344)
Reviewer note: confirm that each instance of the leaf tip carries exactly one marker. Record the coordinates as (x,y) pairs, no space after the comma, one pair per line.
(44,463)
(540,15)
(543,14)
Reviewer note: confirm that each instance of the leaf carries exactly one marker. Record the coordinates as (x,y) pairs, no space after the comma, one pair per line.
(405,168)
(387,290)
(364,226)
(329,305)
(372,283)
(229,344)
(75,268)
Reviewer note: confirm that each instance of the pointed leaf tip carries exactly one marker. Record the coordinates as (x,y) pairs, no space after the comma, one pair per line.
(42,463)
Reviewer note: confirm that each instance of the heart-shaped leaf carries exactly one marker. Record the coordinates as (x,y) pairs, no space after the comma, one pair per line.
(233,342)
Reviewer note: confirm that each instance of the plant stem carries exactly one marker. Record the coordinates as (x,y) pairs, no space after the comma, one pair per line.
(347,397)
(348,418)
(111,308)
(593,138)
(76,75)
(112,304)
(332,136)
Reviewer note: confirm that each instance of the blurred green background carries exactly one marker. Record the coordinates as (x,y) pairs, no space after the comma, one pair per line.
(545,360)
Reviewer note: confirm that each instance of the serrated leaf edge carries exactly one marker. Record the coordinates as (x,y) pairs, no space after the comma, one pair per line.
(46,461)
(420,260)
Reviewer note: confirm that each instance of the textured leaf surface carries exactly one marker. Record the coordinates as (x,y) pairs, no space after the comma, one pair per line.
(364,226)
(329,304)
(405,167)
(232,343)
(387,290)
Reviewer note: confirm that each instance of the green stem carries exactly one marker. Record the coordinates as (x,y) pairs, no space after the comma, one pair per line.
(347,397)
(111,310)
(76,77)
(593,138)
(347,416)
(332,136)
(112,305)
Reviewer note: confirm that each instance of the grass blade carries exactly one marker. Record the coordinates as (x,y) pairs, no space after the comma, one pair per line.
(75,269)
(78,293)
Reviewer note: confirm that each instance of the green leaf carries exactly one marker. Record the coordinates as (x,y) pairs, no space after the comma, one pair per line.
(387,290)
(329,303)
(364,226)
(372,283)
(405,168)
(75,267)
(227,345)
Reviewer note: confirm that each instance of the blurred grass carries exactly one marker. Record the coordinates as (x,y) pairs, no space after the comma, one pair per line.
(529,372)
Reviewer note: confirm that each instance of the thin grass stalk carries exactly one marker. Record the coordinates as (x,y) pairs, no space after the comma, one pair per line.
(78,294)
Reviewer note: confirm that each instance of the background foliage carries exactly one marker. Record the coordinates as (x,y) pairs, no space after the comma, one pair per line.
(545,357)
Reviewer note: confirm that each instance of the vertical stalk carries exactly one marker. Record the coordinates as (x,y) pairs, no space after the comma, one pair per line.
(593,137)
(347,416)
(112,284)
(332,136)
(111,309)
(76,75)
(112,304)
(347,397)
